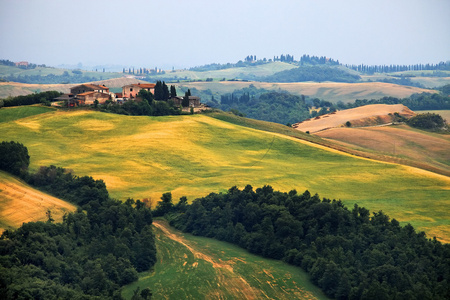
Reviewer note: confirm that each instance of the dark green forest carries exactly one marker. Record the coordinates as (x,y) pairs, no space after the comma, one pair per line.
(349,253)
(90,255)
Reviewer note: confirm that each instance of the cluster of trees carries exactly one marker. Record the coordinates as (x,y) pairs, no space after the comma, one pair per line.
(428,121)
(7,62)
(284,58)
(260,104)
(316,60)
(90,255)
(423,101)
(162,91)
(14,158)
(143,71)
(272,106)
(42,97)
(398,68)
(349,254)
(312,73)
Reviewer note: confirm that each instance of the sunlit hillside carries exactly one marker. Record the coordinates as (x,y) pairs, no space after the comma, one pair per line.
(143,157)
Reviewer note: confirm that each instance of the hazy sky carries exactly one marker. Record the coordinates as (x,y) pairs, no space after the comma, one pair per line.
(186,33)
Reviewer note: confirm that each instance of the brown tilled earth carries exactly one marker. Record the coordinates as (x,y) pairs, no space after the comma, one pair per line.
(368,115)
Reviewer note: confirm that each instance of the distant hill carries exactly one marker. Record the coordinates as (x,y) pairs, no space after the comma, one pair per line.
(368,115)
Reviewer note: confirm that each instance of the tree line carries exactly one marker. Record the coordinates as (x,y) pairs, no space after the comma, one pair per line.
(35,98)
(90,255)
(370,69)
(349,253)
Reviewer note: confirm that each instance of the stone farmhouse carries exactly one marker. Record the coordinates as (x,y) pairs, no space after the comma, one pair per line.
(194,101)
(132,90)
(87,93)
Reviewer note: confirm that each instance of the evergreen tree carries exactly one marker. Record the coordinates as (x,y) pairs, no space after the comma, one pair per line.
(165,92)
(173,91)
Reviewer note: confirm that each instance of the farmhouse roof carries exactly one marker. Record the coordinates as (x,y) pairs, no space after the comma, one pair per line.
(143,85)
(93,86)
(86,93)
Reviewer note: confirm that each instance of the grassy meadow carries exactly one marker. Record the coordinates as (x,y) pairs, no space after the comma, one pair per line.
(192,267)
(143,157)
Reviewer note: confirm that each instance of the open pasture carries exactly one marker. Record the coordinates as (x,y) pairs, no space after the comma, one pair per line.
(143,157)
(190,267)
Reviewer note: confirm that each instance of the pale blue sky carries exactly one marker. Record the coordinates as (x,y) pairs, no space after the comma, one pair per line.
(168,33)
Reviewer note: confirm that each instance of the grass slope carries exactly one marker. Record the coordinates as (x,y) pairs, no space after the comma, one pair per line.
(399,141)
(9,114)
(20,203)
(191,267)
(143,157)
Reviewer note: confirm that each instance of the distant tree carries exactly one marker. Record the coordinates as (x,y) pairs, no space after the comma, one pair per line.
(164,206)
(173,91)
(159,94)
(165,92)
(185,102)
(146,95)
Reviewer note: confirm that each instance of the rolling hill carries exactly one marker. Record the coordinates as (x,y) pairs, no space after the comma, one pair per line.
(375,114)
(143,157)
(20,203)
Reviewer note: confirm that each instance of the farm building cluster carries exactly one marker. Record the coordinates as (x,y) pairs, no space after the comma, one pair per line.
(87,94)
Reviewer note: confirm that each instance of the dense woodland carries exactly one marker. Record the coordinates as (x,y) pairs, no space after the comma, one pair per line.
(90,255)
(349,253)
(423,101)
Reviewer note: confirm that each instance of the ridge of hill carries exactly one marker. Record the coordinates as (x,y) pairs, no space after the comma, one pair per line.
(367,115)
(144,157)
(20,203)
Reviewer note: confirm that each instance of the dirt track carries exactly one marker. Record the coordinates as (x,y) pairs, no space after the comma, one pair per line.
(234,283)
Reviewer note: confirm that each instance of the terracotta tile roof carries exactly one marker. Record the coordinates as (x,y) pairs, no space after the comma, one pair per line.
(86,93)
(143,85)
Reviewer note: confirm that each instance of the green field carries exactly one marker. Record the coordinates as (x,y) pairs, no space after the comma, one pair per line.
(8,114)
(143,157)
(191,267)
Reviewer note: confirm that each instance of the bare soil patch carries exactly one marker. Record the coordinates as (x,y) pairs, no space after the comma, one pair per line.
(368,115)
